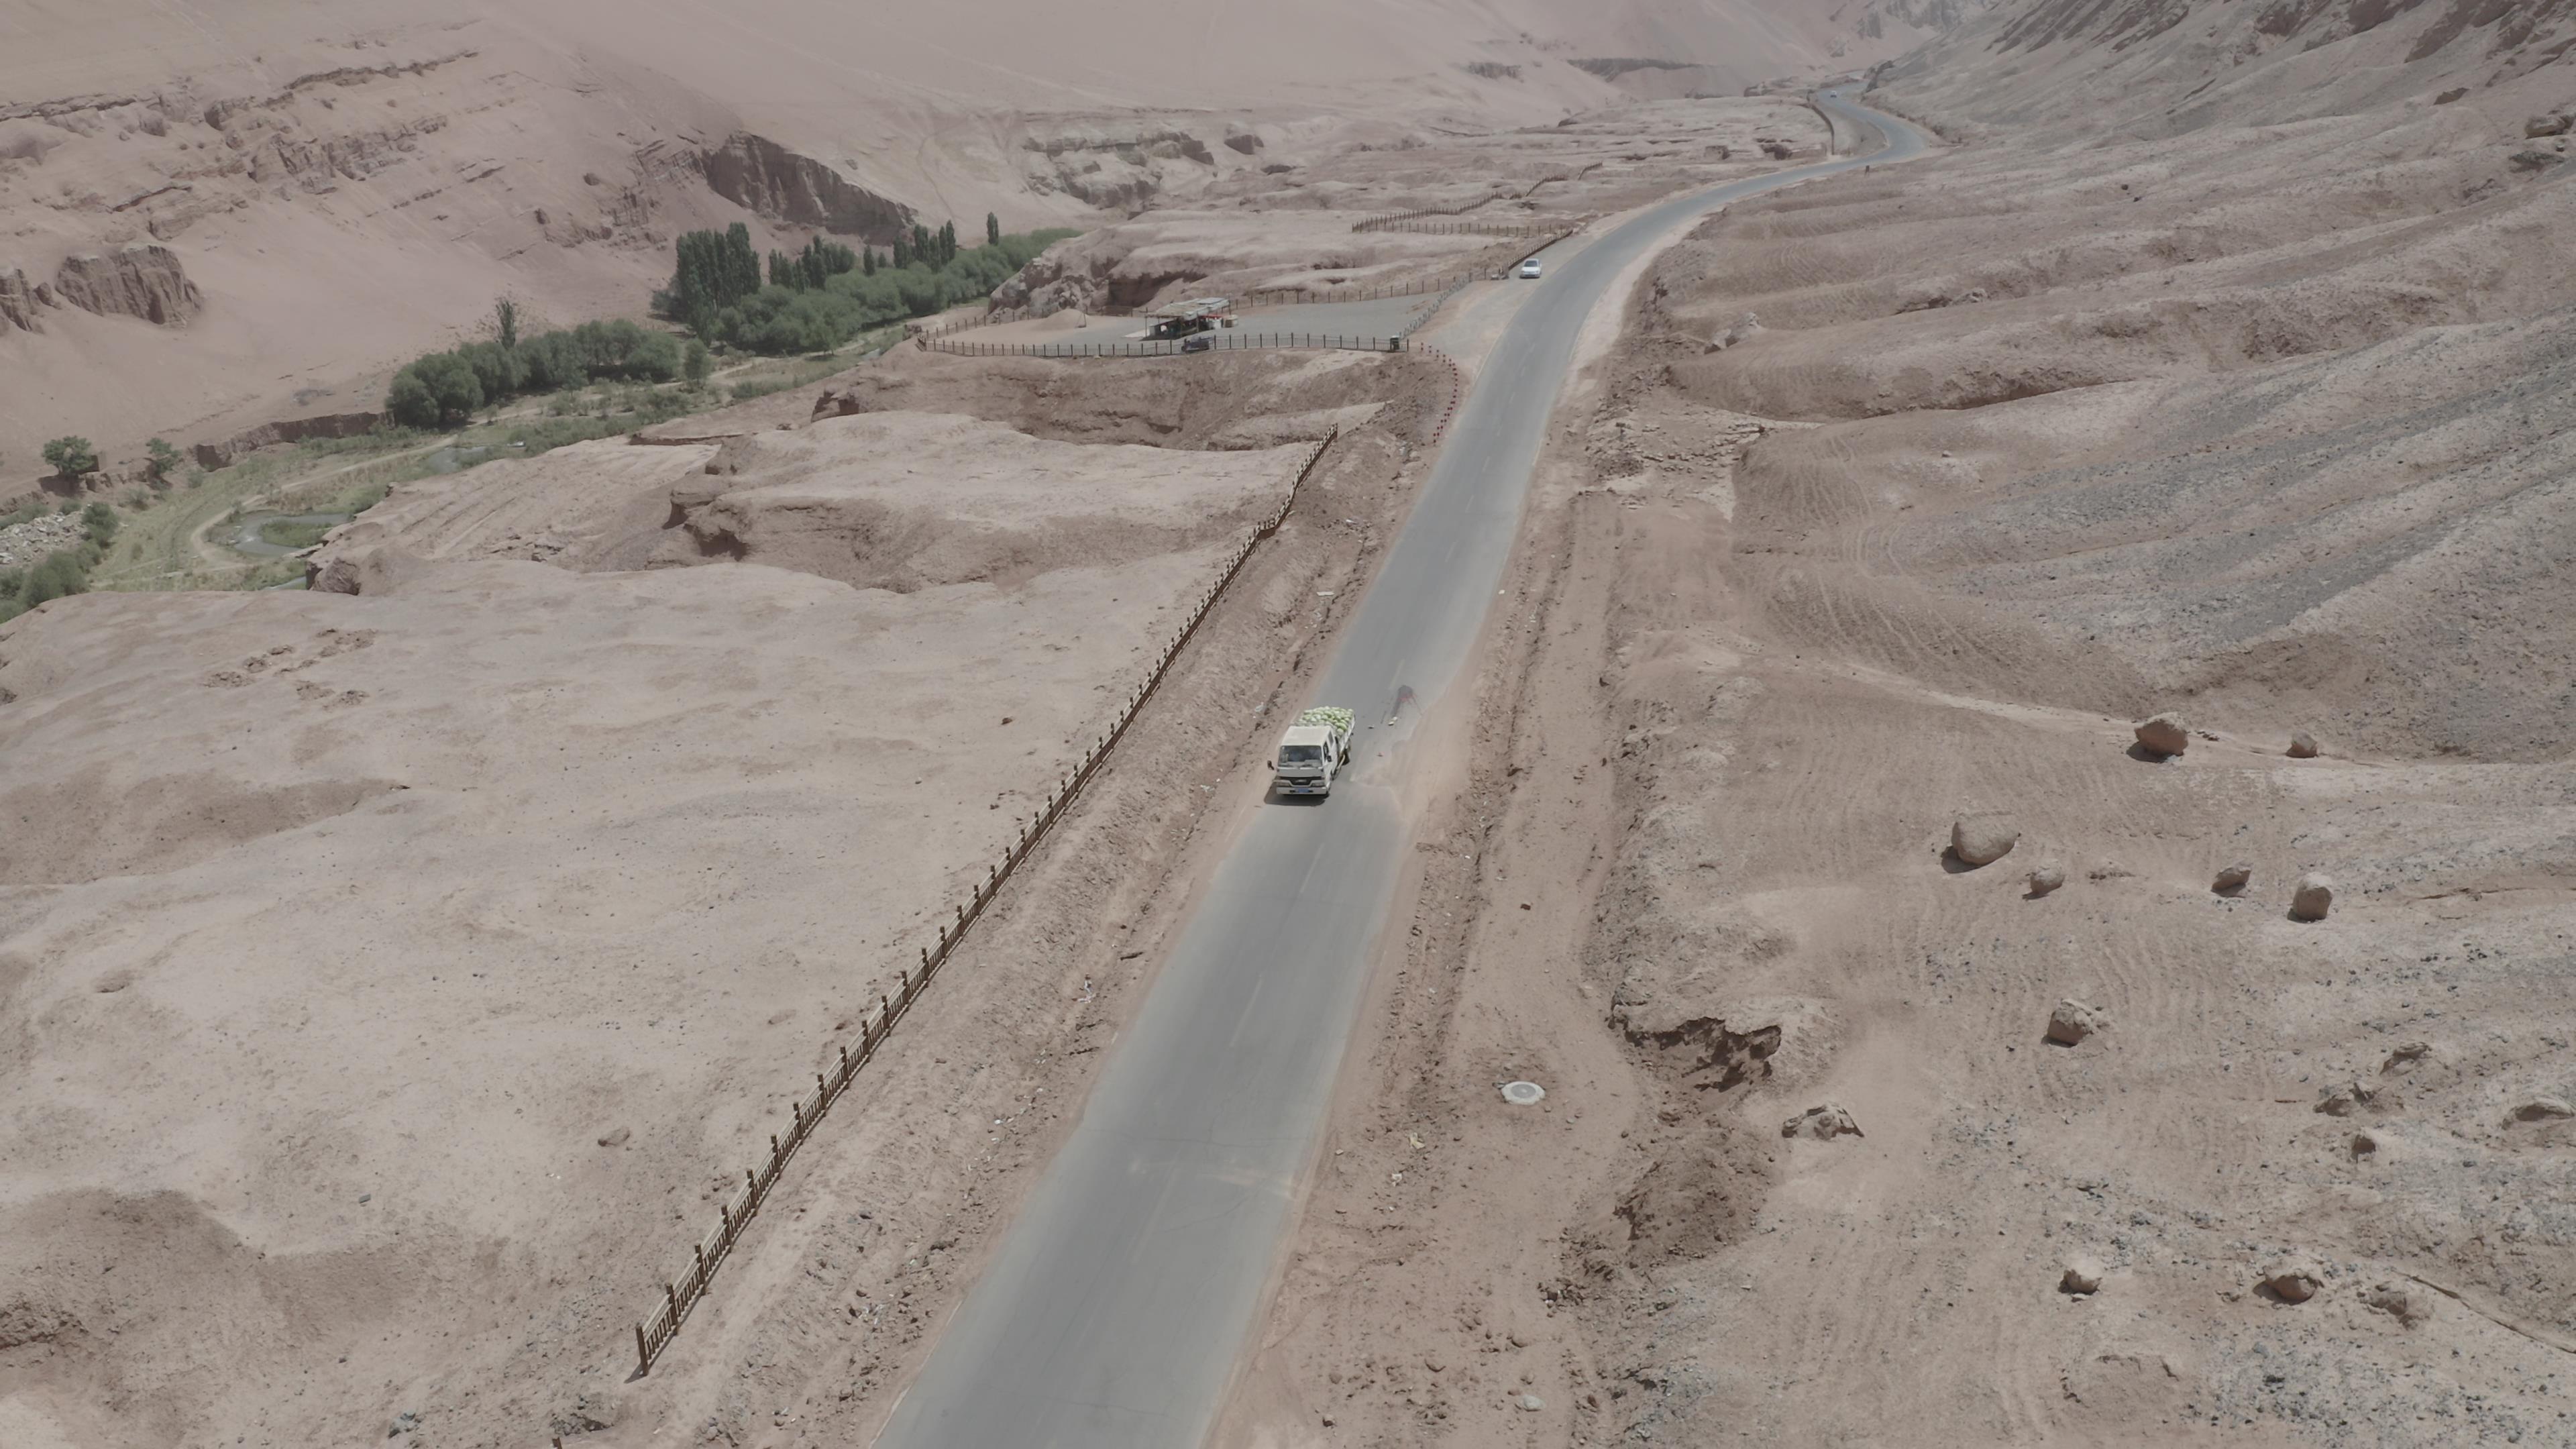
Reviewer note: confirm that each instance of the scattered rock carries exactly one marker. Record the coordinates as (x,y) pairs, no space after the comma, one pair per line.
(2541,1109)
(2313,898)
(1532,1403)
(2534,160)
(2453,94)
(1743,330)
(1824,1122)
(616,1138)
(2344,1100)
(2046,878)
(2232,879)
(2406,1307)
(2294,1282)
(2074,1020)
(2363,1144)
(2406,1058)
(404,1423)
(2164,736)
(2303,746)
(2539,126)
(1982,839)
(835,403)
(2082,1275)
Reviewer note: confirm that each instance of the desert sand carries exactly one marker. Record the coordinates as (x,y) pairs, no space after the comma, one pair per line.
(394,981)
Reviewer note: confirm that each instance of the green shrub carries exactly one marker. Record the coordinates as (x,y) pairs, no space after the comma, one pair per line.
(280,533)
(159,459)
(56,576)
(99,522)
(71,456)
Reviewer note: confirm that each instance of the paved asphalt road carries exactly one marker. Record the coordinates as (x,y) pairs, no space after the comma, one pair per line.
(1120,1301)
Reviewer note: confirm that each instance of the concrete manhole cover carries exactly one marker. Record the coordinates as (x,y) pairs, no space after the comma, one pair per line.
(1523,1094)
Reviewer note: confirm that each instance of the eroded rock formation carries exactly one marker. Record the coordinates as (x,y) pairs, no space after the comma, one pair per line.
(138,281)
(763,176)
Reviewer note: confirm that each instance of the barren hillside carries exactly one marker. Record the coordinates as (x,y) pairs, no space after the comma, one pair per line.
(2222,372)
(327,190)
(396,975)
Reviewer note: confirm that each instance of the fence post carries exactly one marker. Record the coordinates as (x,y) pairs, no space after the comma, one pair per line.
(643,1355)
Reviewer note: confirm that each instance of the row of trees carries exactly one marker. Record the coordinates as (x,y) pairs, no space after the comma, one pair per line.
(825,295)
(810,301)
(70,457)
(818,263)
(447,387)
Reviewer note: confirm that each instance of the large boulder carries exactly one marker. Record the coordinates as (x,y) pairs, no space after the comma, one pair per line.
(2164,736)
(1824,1122)
(2548,125)
(2294,1281)
(1983,839)
(2541,1109)
(2082,1275)
(2303,746)
(2313,898)
(2408,1306)
(338,576)
(2074,1020)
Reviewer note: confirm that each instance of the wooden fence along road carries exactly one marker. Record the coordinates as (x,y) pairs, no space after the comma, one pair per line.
(679,1295)
(1224,340)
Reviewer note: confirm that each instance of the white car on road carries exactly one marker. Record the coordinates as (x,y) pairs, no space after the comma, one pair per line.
(1529,270)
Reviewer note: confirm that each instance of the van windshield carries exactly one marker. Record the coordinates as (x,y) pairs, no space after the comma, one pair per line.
(1301,755)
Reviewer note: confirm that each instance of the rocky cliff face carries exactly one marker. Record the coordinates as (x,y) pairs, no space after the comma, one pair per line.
(141,281)
(1120,167)
(284,430)
(762,176)
(19,299)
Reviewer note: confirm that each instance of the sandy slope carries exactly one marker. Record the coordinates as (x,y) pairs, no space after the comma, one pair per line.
(2248,409)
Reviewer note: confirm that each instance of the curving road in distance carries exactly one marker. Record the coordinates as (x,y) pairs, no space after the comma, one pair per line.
(1121,1299)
